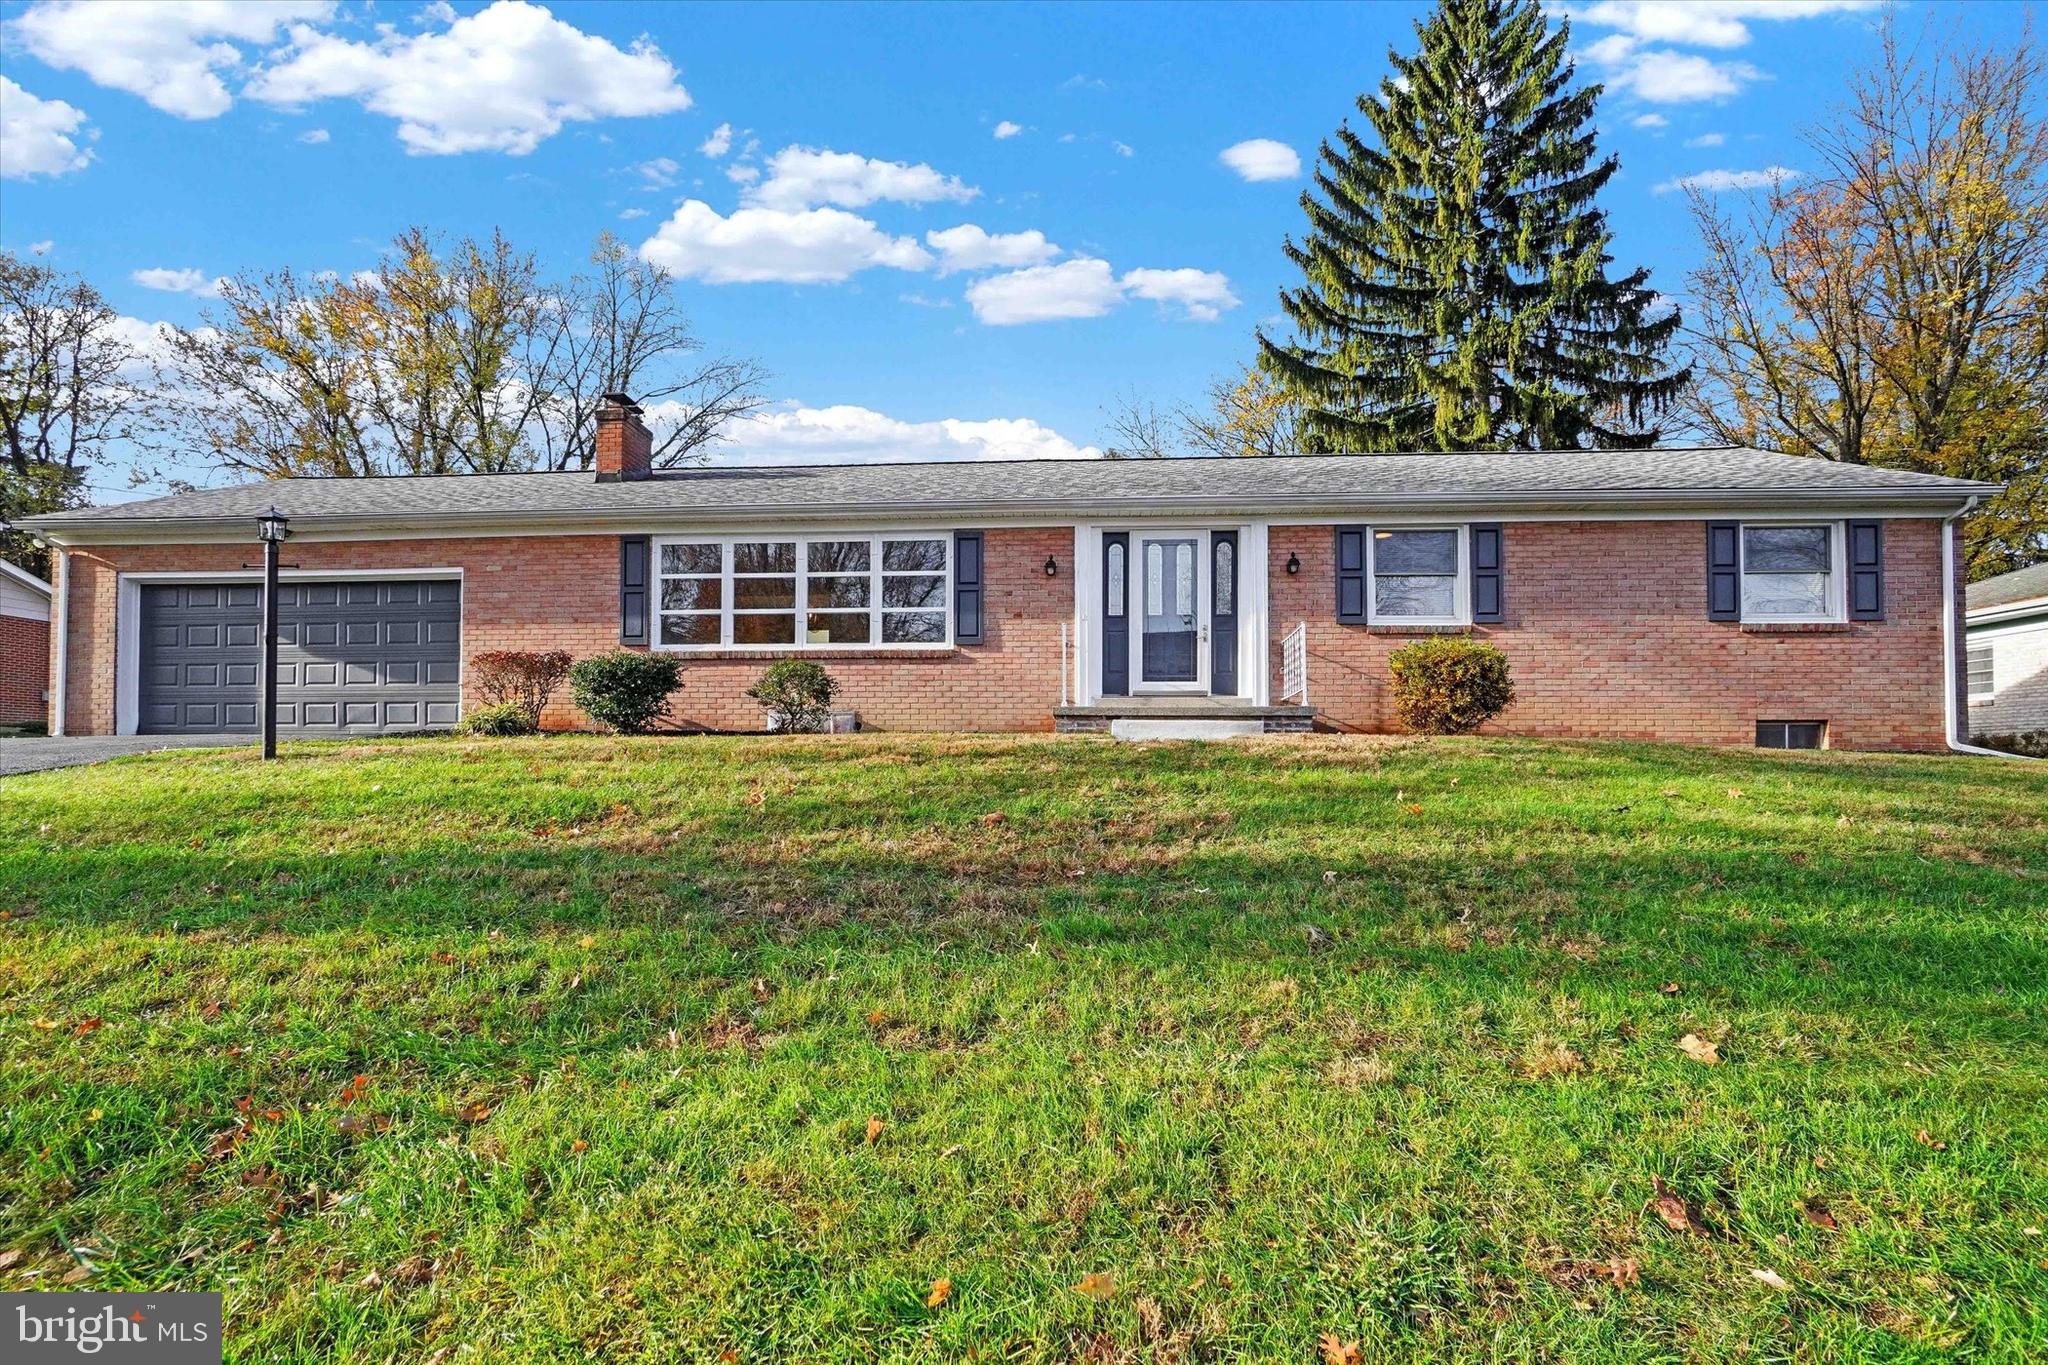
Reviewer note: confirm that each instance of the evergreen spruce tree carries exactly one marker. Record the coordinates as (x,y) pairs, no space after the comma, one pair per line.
(1456,294)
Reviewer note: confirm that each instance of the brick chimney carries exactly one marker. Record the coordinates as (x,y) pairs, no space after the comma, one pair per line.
(625,448)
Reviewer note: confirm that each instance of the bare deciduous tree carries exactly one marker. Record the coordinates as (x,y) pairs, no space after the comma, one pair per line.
(1248,415)
(65,395)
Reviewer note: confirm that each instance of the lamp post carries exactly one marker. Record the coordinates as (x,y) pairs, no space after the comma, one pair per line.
(271,528)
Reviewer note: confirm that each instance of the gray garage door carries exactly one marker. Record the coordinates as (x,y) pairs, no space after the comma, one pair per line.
(354,657)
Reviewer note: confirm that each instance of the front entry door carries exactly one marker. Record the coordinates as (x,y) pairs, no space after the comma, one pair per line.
(1173,610)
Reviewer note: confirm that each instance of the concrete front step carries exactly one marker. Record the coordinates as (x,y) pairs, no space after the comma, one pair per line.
(1181,718)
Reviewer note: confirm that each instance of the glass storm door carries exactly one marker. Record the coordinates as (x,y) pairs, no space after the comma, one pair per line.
(1171,609)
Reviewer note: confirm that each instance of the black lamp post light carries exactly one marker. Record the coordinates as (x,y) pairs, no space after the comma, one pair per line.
(271,528)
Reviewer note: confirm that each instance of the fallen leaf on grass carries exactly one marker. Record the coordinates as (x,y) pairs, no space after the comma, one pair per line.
(361,1125)
(1701,1049)
(942,1289)
(1675,1212)
(474,1113)
(79,1274)
(1413,808)
(994,817)
(1099,1285)
(86,1025)
(875,1127)
(1669,988)
(1623,1270)
(586,942)
(1818,1215)
(1336,1351)
(444,958)
(1771,1278)
(1928,1140)
(578,1146)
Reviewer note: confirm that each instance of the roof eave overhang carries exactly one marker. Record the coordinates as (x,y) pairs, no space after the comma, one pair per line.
(1894,501)
(2007,611)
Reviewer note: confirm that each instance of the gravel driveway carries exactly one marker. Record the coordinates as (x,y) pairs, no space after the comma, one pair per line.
(39,755)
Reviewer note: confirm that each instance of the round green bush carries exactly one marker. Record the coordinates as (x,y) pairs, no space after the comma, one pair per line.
(1449,686)
(625,690)
(797,695)
(499,720)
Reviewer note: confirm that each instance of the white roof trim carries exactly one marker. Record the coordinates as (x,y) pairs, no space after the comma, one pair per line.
(26,579)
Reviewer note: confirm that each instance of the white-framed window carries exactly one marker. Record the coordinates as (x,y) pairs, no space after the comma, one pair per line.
(829,591)
(1420,576)
(1792,571)
(1979,670)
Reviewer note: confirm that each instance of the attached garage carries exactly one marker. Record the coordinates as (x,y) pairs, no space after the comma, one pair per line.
(355,656)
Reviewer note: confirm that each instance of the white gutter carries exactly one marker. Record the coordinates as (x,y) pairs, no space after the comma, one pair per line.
(60,626)
(1956,741)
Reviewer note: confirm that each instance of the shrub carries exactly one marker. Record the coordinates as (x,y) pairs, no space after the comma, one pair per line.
(625,690)
(499,719)
(519,677)
(797,695)
(2027,744)
(1449,686)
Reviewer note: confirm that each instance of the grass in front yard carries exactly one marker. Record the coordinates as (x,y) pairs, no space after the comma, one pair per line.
(657,1050)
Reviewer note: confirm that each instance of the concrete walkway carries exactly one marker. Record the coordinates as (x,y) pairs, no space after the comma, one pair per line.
(40,755)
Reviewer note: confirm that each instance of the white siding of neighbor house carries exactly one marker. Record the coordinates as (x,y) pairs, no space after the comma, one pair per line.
(2019,678)
(16,600)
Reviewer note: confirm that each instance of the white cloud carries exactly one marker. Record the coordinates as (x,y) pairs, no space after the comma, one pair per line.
(38,136)
(315,136)
(170,55)
(1081,288)
(1707,140)
(803,177)
(755,245)
(1663,76)
(633,213)
(1701,23)
(1716,181)
(1124,149)
(1085,287)
(41,248)
(1201,294)
(918,300)
(968,247)
(502,79)
(660,172)
(1261,158)
(197,283)
(1649,121)
(843,434)
(743,175)
(1007,129)
(719,143)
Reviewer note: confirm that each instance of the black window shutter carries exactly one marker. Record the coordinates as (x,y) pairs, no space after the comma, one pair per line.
(1866,571)
(1116,615)
(1489,600)
(633,590)
(967,588)
(1351,584)
(1724,571)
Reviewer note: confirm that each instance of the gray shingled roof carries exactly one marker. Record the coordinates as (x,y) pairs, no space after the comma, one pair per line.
(1025,486)
(2018,586)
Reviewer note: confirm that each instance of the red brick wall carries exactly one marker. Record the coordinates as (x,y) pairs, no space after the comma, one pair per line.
(24,669)
(1608,637)
(562,592)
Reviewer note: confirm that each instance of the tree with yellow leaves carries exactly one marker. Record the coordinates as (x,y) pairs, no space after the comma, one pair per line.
(1892,308)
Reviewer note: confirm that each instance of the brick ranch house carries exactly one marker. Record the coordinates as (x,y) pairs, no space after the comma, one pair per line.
(24,646)
(1721,596)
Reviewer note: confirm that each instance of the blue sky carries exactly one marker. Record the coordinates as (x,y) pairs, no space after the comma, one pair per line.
(864,224)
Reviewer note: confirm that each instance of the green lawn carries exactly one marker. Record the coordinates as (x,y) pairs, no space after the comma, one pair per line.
(715,1049)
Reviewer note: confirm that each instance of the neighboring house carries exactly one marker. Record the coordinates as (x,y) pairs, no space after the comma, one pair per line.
(24,646)
(1723,596)
(2006,664)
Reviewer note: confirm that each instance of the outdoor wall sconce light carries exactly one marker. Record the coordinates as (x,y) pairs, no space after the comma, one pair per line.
(1293,563)
(1052,567)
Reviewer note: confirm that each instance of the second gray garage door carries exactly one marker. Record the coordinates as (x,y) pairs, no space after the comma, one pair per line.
(354,657)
